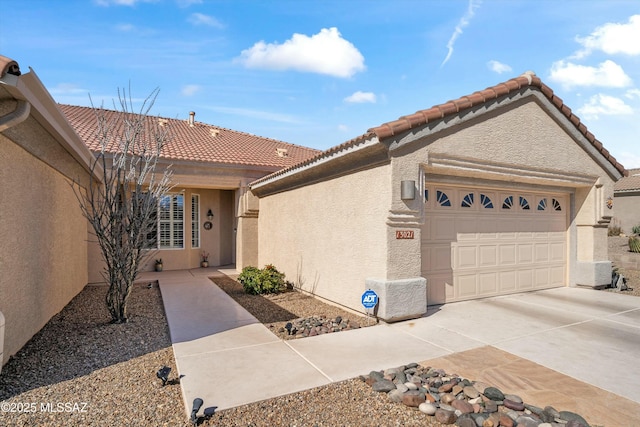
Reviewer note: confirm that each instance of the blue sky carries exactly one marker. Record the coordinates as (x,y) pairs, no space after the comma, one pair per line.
(318,73)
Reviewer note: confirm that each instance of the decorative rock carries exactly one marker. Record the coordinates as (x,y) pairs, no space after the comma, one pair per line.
(480,419)
(510,404)
(395,396)
(427,408)
(490,406)
(545,425)
(402,388)
(527,421)
(570,416)
(493,393)
(445,417)
(412,400)
(447,398)
(447,407)
(463,406)
(383,386)
(411,386)
(465,422)
(445,388)
(488,423)
(476,400)
(471,392)
(456,390)
(505,421)
(513,398)
(574,423)
(376,375)
(477,408)
(480,386)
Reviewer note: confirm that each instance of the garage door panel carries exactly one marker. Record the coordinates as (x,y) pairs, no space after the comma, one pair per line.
(488,283)
(477,251)
(507,281)
(466,285)
(525,253)
(488,256)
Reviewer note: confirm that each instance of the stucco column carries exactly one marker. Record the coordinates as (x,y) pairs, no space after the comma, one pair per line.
(403,294)
(593,267)
(247,229)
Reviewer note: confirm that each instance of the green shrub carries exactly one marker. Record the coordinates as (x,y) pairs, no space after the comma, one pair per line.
(614,230)
(634,244)
(636,229)
(266,281)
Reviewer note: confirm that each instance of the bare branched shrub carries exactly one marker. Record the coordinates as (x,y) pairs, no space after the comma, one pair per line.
(121,202)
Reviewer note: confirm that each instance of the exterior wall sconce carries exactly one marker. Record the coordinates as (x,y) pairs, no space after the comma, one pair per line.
(407,190)
(209,215)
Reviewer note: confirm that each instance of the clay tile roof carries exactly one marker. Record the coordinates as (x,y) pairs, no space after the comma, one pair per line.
(199,142)
(8,66)
(629,183)
(420,118)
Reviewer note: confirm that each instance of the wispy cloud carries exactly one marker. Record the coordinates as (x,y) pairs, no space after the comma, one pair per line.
(464,21)
(343,128)
(612,38)
(130,3)
(606,105)
(256,114)
(202,19)
(361,97)
(323,53)
(606,74)
(499,67)
(68,89)
(632,93)
(190,90)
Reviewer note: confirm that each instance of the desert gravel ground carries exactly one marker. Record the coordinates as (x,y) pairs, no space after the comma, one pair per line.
(79,370)
(620,245)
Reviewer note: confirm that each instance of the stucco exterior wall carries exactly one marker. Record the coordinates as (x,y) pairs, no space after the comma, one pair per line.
(329,237)
(43,253)
(627,207)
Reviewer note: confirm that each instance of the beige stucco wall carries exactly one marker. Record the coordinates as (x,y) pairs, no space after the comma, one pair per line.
(330,236)
(43,253)
(627,206)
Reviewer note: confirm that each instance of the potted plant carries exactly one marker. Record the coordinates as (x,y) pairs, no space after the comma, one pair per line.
(159,264)
(205,259)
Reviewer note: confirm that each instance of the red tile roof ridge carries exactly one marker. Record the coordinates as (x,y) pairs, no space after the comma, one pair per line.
(440,111)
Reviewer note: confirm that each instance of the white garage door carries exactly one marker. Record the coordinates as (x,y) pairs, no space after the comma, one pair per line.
(484,242)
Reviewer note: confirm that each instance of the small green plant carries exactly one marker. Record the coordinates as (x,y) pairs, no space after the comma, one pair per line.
(614,229)
(634,244)
(636,229)
(266,281)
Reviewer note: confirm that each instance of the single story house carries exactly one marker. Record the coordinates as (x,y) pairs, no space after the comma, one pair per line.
(626,198)
(501,191)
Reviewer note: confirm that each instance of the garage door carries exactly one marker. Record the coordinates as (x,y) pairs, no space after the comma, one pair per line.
(481,242)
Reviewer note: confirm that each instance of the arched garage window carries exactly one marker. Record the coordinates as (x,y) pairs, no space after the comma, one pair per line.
(443,199)
(556,205)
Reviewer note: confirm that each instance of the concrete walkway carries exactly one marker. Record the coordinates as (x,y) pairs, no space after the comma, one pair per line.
(228,358)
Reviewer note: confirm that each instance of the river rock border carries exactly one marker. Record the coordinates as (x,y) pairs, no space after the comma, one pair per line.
(455,400)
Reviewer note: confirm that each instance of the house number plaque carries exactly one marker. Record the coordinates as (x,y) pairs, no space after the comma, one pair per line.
(404,234)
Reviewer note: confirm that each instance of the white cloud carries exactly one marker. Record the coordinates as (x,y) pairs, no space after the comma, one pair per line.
(202,19)
(601,104)
(361,97)
(190,90)
(324,53)
(343,128)
(607,74)
(498,67)
(464,21)
(613,38)
(67,89)
(632,93)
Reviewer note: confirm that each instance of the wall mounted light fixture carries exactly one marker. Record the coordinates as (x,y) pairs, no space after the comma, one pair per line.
(407,190)
(209,215)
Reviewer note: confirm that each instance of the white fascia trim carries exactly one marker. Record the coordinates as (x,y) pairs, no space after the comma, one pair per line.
(321,161)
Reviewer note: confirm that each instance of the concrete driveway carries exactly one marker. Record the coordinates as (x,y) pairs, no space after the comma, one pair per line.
(228,358)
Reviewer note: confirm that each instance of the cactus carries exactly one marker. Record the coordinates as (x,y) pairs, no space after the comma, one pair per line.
(634,244)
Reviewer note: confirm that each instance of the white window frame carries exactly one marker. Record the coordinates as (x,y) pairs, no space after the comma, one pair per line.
(175,223)
(195,221)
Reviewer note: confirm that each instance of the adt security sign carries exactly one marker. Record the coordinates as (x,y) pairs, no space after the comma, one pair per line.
(369,299)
